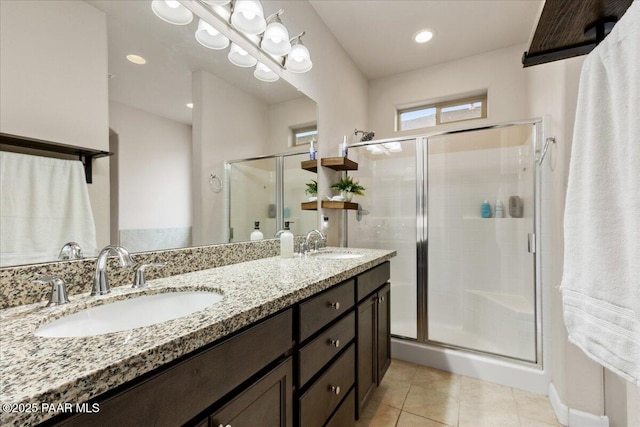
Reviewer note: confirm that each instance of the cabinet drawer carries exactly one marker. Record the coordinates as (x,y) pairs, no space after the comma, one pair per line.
(345,415)
(268,402)
(318,352)
(323,308)
(317,404)
(197,382)
(372,279)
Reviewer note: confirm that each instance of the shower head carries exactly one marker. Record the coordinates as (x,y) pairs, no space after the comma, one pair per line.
(366,136)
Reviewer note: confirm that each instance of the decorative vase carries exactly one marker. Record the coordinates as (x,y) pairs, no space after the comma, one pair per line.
(347,195)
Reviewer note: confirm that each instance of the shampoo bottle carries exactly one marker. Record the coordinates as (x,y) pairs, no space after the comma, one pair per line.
(343,147)
(286,242)
(256,234)
(486,209)
(499,211)
(312,151)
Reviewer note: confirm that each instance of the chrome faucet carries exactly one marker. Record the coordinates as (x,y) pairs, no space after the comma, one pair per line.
(70,250)
(307,240)
(100,281)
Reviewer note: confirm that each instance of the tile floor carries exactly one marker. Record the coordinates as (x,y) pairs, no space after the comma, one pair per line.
(416,396)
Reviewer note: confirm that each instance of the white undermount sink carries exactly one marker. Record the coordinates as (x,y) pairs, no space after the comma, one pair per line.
(128,314)
(337,255)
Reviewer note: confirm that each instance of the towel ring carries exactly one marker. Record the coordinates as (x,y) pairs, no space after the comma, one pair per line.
(215,182)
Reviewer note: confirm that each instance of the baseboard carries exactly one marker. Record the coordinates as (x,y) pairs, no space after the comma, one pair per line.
(573,417)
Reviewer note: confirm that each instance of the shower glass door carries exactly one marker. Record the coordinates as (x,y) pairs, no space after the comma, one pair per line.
(252,197)
(294,186)
(387,219)
(481,271)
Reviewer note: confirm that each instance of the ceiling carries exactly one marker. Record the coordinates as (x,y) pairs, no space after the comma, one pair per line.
(378,34)
(163,85)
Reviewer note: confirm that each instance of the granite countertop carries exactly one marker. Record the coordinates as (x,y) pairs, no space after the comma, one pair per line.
(36,370)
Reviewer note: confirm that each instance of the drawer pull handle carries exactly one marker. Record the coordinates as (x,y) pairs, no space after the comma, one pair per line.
(220,425)
(335,343)
(381,299)
(335,389)
(335,305)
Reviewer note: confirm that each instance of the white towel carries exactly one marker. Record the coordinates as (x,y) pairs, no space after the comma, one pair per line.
(601,281)
(44,203)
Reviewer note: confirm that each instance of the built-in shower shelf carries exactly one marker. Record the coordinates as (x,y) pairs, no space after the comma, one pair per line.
(339,163)
(309,206)
(326,204)
(309,165)
(491,219)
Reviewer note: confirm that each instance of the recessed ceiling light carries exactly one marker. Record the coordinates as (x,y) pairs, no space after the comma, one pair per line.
(190,104)
(423,36)
(136,59)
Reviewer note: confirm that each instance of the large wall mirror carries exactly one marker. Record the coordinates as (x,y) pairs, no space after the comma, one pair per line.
(161,196)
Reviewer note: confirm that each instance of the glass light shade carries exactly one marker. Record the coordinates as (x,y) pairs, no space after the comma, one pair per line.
(209,37)
(171,11)
(240,57)
(217,2)
(264,73)
(299,60)
(248,17)
(276,39)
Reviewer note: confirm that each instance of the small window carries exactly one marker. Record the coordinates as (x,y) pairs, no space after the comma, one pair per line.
(304,135)
(425,116)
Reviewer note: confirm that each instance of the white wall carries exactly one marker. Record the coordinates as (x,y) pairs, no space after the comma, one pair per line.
(228,124)
(53,83)
(498,72)
(154,158)
(285,115)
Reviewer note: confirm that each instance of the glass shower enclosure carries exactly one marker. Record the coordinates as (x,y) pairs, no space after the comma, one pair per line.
(268,189)
(463,277)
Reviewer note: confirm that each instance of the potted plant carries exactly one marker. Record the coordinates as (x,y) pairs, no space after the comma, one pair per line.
(312,190)
(348,187)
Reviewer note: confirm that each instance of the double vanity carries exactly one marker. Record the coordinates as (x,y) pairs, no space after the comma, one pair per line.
(272,341)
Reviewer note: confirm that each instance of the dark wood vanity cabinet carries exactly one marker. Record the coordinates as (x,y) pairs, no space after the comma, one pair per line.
(312,365)
(189,390)
(326,357)
(373,332)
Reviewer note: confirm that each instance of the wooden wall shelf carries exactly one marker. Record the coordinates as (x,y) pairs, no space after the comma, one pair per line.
(339,163)
(309,206)
(21,143)
(309,165)
(326,204)
(572,28)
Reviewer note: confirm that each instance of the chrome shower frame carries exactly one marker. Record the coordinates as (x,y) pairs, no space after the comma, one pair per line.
(422,239)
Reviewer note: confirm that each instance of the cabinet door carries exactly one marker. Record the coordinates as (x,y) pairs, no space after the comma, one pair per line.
(266,403)
(384,331)
(367,352)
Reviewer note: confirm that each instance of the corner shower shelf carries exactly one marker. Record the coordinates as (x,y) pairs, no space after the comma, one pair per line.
(309,165)
(25,145)
(339,163)
(309,206)
(339,205)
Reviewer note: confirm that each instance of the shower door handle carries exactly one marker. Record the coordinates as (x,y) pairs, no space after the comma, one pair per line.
(532,243)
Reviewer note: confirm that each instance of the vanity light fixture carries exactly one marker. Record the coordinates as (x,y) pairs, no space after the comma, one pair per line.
(136,59)
(240,57)
(217,2)
(275,39)
(423,36)
(248,17)
(172,12)
(209,37)
(298,60)
(264,73)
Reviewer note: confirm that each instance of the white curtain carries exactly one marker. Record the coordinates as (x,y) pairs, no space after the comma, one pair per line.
(44,203)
